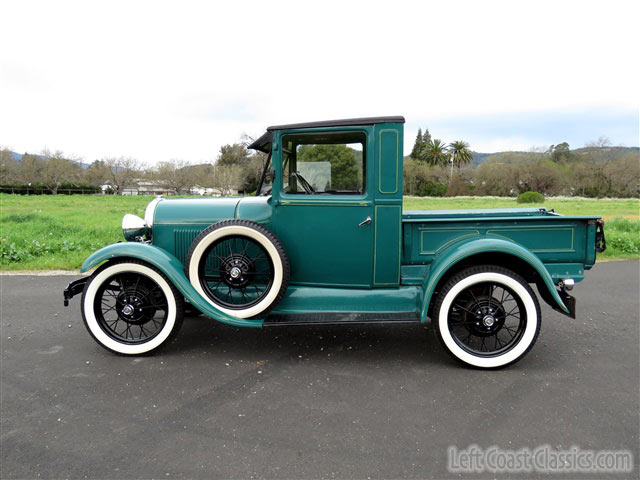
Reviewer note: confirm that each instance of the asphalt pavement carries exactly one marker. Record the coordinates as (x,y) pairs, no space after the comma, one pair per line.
(306,402)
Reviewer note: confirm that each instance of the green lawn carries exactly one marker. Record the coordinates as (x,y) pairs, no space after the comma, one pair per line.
(45,232)
(58,232)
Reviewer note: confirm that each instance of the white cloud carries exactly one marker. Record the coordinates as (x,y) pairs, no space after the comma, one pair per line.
(158,80)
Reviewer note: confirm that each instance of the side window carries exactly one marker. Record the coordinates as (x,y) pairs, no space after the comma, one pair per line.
(324,163)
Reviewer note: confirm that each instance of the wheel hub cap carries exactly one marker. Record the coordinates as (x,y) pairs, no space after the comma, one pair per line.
(488,321)
(134,308)
(236,270)
(484,316)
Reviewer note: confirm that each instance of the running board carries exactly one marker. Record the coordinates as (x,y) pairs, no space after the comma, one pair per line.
(340,318)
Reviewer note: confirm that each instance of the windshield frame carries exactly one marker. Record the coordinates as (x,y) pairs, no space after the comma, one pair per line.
(267,163)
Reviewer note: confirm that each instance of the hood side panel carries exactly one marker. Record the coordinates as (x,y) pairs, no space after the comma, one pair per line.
(178,222)
(195,210)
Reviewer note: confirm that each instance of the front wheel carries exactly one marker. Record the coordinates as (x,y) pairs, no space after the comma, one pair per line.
(487,316)
(131,308)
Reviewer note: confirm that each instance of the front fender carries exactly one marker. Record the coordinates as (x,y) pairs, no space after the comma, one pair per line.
(172,268)
(455,253)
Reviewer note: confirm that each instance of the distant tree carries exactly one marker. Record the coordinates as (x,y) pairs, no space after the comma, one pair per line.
(31,169)
(224,178)
(460,153)
(494,177)
(540,175)
(58,170)
(602,141)
(418,145)
(426,137)
(624,176)
(176,175)
(346,168)
(252,171)
(121,173)
(234,154)
(247,140)
(97,173)
(423,179)
(601,158)
(435,153)
(560,152)
(9,167)
(457,186)
(411,172)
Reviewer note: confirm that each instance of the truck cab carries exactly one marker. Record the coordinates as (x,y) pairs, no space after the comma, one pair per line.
(340,184)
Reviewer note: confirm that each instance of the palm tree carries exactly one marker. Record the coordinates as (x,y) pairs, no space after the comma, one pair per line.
(460,153)
(436,152)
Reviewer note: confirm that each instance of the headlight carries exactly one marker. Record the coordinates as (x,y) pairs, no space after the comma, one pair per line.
(133,227)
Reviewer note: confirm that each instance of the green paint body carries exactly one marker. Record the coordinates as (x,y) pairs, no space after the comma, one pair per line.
(392,264)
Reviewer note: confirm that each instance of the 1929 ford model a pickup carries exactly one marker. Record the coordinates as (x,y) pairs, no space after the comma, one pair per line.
(325,240)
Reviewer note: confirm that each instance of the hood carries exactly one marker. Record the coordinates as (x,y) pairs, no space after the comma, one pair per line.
(198,211)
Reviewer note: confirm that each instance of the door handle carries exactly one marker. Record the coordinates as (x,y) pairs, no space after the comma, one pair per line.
(366,221)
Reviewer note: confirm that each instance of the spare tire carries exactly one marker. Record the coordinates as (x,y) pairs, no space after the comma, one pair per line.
(240,267)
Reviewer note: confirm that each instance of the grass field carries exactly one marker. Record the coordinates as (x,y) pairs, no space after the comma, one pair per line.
(58,232)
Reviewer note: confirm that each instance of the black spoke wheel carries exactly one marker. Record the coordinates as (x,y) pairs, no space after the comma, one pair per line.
(130,307)
(486,316)
(487,319)
(236,272)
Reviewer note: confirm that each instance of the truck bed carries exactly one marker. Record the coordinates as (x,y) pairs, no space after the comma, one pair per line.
(565,244)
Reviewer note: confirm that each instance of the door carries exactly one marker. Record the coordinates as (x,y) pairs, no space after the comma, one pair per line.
(323,214)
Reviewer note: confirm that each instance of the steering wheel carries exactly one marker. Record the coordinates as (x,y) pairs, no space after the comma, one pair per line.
(306,185)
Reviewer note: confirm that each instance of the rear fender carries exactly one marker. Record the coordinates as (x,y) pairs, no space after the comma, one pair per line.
(172,268)
(457,252)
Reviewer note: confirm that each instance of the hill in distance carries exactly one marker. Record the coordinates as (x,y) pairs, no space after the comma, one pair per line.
(18,157)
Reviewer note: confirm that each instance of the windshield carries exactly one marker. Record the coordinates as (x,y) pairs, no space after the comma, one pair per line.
(266,181)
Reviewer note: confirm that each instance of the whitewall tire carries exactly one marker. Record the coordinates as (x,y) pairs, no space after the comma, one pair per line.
(131,308)
(239,267)
(487,317)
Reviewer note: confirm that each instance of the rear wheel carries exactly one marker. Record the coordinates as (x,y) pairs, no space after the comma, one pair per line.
(487,316)
(131,308)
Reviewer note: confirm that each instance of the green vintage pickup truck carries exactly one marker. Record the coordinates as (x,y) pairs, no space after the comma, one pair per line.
(325,241)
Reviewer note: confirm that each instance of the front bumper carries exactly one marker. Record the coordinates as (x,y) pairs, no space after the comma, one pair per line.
(74,288)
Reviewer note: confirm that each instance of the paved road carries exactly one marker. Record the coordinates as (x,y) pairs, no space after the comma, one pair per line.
(338,402)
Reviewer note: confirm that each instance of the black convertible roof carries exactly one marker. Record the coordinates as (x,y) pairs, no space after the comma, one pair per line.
(264,142)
